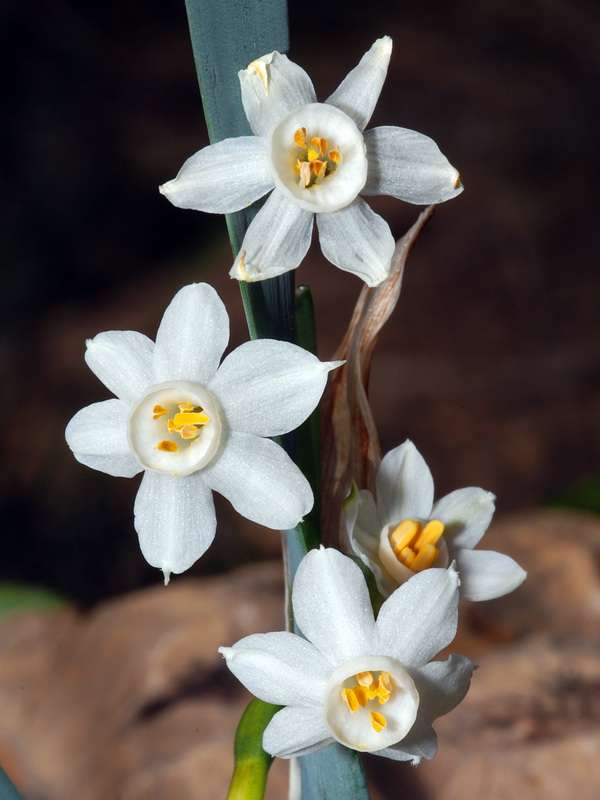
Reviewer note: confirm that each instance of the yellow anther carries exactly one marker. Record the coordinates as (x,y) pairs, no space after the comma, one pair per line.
(167,446)
(403,534)
(158,412)
(300,137)
(350,698)
(319,168)
(430,534)
(188,431)
(385,682)
(424,558)
(186,407)
(378,721)
(406,556)
(320,143)
(334,155)
(364,678)
(362,695)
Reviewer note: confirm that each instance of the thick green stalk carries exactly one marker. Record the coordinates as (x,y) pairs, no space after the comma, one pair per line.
(251,763)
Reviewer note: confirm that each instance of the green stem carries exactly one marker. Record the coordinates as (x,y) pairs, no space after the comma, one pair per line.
(8,790)
(251,763)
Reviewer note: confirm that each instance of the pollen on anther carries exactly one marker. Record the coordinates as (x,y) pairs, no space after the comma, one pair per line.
(351,699)
(364,678)
(167,446)
(158,412)
(300,137)
(378,721)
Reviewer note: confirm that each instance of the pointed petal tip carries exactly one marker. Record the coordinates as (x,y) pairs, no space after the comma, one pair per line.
(167,575)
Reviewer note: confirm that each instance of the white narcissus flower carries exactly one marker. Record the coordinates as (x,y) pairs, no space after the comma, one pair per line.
(317,158)
(368,684)
(195,426)
(402,531)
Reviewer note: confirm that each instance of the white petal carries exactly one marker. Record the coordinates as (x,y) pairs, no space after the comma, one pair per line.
(269,387)
(485,575)
(466,514)
(260,481)
(421,742)
(296,731)
(122,361)
(420,617)
(272,87)
(357,240)
(358,93)
(192,336)
(175,520)
(404,485)
(442,685)
(332,606)
(97,435)
(364,537)
(223,177)
(279,668)
(275,242)
(410,166)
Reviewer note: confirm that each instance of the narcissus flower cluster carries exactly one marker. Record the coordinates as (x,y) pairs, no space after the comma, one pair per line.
(315,159)
(194,426)
(367,683)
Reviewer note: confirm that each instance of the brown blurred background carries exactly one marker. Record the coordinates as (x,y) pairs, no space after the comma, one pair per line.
(490,363)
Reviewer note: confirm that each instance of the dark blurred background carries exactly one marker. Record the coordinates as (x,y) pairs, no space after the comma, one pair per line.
(490,363)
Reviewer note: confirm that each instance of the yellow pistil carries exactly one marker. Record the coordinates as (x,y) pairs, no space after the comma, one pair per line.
(313,163)
(415,544)
(378,721)
(167,446)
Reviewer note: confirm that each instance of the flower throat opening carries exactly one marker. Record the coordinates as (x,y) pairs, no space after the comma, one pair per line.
(314,162)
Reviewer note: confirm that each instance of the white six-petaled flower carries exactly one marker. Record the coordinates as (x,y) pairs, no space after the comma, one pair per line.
(195,426)
(402,531)
(368,684)
(317,158)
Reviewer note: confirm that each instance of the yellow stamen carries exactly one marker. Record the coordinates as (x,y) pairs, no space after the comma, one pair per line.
(430,534)
(167,446)
(300,137)
(424,558)
(320,143)
(334,155)
(364,678)
(385,682)
(350,698)
(378,721)
(403,534)
(319,168)
(406,556)
(188,431)
(158,412)
(362,695)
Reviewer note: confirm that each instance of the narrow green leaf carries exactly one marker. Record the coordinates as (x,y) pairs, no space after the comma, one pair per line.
(334,773)
(251,763)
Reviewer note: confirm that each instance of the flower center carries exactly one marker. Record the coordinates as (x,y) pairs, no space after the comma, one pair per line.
(415,544)
(314,161)
(318,157)
(175,428)
(373,707)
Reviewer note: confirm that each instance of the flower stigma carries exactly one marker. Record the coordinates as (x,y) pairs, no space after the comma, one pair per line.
(175,428)
(373,708)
